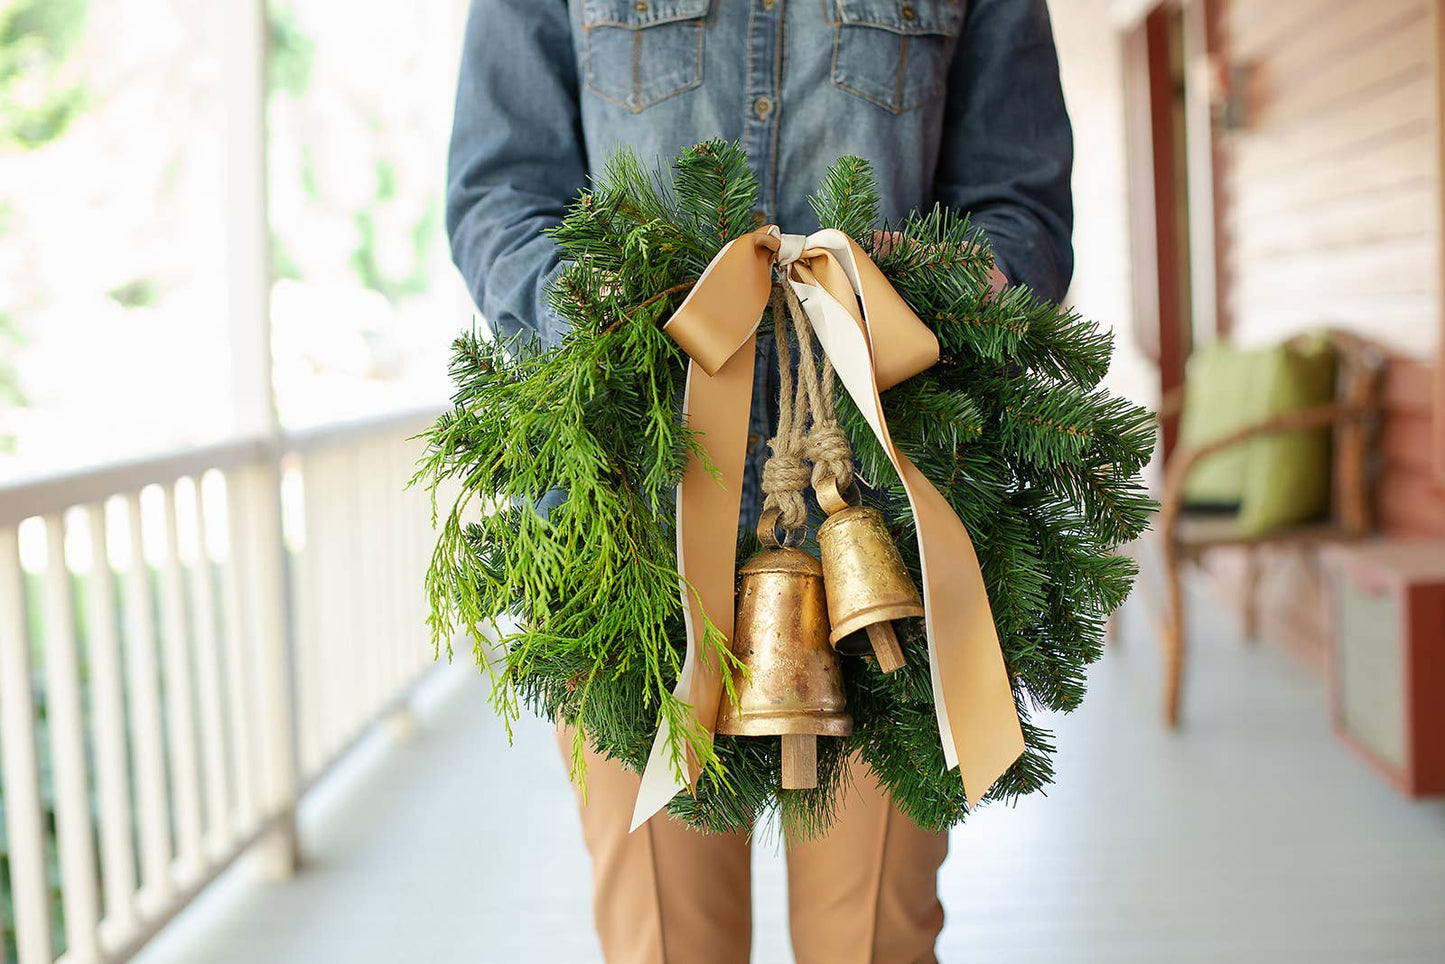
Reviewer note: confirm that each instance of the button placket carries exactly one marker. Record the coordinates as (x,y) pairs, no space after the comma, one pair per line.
(760,103)
(761,109)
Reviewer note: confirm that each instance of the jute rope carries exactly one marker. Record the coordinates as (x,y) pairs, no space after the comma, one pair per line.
(825,445)
(785,474)
(797,441)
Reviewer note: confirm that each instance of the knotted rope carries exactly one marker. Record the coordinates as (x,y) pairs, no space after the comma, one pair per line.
(797,442)
(785,474)
(825,444)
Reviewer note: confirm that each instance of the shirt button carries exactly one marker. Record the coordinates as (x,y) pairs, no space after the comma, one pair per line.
(759,218)
(754,440)
(640,6)
(768,5)
(908,12)
(763,106)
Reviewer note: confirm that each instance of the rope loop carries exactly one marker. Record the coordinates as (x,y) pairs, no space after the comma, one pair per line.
(808,429)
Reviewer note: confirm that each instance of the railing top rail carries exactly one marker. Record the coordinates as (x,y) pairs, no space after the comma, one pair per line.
(350,430)
(46,494)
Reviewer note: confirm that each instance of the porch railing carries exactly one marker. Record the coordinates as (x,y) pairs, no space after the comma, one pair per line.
(186,643)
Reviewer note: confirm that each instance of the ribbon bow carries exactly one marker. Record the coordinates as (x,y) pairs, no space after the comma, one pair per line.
(874,341)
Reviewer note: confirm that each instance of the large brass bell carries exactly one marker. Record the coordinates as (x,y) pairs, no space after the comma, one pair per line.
(793,685)
(868,585)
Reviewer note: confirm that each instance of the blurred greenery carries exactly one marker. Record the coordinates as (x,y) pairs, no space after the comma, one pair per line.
(425,230)
(283,265)
(39,97)
(291,54)
(12,336)
(136,293)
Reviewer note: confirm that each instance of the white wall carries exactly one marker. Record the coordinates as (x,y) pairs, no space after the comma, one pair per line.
(1333,183)
(1090,56)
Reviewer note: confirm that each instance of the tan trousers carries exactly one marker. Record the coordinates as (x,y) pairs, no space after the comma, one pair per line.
(865,893)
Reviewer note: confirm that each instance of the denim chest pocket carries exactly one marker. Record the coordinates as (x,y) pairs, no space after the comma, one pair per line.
(639,52)
(894,53)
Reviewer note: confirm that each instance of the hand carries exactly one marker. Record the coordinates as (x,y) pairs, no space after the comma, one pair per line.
(883,242)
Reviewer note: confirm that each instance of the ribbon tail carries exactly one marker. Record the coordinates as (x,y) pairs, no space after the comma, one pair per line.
(978,722)
(716,408)
(660,780)
(977,719)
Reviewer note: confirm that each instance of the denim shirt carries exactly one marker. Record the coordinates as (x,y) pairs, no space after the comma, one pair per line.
(952,101)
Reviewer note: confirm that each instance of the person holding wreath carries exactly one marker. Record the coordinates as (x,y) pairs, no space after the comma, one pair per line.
(955,102)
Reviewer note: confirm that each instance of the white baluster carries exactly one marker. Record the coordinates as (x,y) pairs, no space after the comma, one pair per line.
(310,665)
(75,844)
(395,640)
(370,518)
(335,611)
(180,701)
(341,603)
(413,557)
(208,680)
(152,803)
(24,821)
(112,757)
(315,645)
(240,704)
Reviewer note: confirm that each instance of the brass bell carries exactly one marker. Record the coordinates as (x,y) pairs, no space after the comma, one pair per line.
(867,584)
(793,686)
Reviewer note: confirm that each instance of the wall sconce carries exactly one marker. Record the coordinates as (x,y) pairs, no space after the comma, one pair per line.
(1230,85)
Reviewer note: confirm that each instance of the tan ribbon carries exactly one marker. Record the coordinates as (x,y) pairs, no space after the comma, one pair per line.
(875,341)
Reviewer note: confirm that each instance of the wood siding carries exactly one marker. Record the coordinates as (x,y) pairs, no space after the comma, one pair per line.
(1332,205)
(1331,194)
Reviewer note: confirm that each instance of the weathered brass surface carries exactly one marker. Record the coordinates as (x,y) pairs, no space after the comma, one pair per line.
(865,578)
(793,682)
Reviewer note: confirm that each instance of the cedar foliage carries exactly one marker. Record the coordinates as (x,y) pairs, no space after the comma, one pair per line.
(583,605)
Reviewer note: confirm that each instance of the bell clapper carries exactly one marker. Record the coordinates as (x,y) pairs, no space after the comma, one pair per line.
(800,761)
(885,647)
(866,582)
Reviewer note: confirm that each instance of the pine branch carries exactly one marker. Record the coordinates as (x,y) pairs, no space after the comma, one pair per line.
(848,199)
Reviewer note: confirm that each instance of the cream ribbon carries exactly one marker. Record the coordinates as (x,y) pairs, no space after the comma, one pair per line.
(874,341)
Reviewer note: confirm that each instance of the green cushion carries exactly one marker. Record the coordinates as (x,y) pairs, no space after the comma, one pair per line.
(1218,401)
(1288,476)
(1273,480)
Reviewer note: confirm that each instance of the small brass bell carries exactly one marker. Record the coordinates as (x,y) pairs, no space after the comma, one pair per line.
(867,584)
(793,687)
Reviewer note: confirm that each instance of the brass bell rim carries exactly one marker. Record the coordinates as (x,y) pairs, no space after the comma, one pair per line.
(857,643)
(785,559)
(840,724)
(878,614)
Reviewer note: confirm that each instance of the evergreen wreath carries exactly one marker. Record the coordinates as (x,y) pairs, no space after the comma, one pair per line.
(583,609)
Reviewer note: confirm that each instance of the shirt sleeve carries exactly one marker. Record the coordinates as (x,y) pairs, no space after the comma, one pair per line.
(1008,149)
(515,161)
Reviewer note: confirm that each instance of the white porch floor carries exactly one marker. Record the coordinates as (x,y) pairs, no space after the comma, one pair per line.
(1250,835)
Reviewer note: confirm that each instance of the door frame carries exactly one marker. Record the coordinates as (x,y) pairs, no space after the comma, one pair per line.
(1176,181)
